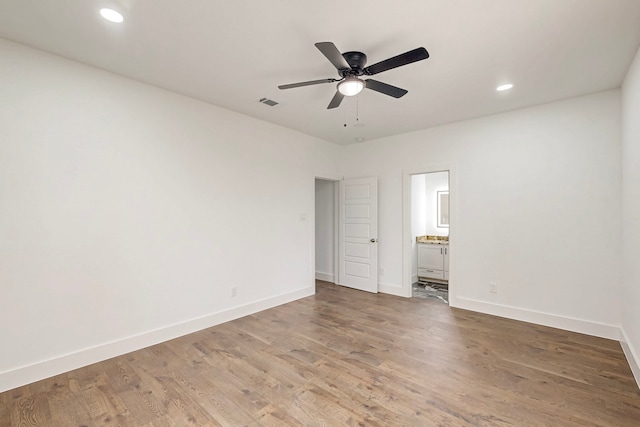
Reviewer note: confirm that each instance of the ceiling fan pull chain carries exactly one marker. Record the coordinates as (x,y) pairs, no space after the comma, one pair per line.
(345,116)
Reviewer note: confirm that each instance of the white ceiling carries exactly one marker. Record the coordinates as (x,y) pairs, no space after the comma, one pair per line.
(232,53)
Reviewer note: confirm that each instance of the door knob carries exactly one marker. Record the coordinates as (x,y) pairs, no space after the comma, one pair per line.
(373,240)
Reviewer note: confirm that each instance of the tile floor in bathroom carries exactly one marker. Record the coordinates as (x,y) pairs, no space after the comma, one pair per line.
(430,290)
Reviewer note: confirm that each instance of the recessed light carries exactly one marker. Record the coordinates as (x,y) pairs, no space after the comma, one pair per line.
(111,15)
(504,87)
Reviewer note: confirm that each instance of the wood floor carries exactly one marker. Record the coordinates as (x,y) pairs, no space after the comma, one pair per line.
(345,357)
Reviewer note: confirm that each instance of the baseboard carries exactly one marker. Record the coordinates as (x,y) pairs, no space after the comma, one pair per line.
(566,323)
(632,356)
(326,277)
(68,362)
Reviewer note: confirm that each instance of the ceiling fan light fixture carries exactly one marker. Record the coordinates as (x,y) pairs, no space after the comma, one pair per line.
(350,86)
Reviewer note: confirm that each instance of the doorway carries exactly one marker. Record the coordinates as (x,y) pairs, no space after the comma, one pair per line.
(346,232)
(427,230)
(326,219)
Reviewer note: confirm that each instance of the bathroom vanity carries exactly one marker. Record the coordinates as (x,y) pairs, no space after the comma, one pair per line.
(433,260)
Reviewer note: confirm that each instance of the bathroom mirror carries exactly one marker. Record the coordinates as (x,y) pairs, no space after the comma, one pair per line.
(443,209)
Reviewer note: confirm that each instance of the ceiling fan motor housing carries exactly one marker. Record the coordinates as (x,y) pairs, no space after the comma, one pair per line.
(356,61)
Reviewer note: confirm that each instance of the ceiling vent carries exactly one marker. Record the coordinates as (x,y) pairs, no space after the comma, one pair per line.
(269,102)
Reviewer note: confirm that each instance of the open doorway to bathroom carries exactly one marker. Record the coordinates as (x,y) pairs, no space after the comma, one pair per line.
(430,235)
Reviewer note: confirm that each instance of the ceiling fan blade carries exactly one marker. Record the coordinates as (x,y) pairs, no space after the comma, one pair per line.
(337,99)
(332,53)
(397,61)
(387,89)
(309,83)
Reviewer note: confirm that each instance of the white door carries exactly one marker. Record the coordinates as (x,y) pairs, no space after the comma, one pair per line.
(358,236)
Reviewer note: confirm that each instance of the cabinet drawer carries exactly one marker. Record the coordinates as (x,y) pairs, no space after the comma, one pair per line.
(433,274)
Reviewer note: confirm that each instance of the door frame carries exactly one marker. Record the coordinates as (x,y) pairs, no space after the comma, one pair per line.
(406,226)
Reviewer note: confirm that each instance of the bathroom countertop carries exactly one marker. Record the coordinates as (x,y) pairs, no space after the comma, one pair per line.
(433,240)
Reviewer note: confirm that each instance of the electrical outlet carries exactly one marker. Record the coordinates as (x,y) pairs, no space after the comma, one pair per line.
(234,292)
(493,287)
(381,271)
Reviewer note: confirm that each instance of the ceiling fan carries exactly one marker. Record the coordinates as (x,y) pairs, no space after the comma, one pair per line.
(351,66)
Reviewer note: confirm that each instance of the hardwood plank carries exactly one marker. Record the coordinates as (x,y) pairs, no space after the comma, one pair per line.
(66,401)
(30,410)
(345,357)
(6,407)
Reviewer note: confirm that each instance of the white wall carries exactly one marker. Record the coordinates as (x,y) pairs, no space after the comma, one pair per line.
(631,215)
(434,182)
(127,214)
(418,218)
(537,192)
(325,230)
(418,205)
